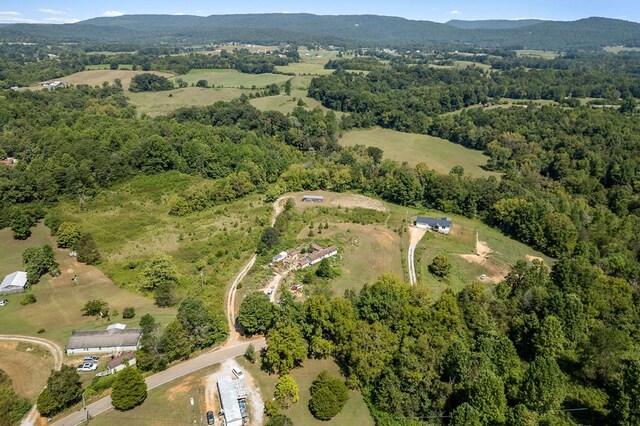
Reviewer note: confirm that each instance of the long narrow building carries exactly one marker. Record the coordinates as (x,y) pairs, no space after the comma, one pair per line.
(229,400)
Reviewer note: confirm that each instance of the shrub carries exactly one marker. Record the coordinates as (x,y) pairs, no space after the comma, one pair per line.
(28,299)
(328,396)
(129,312)
(440,266)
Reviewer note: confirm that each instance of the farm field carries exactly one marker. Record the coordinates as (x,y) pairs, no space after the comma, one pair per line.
(168,404)
(60,300)
(495,264)
(439,154)
(27,365)
(97,77)
(355,412)
(544,54)
(158,103)
(313,64)
(232,78)
(131,225)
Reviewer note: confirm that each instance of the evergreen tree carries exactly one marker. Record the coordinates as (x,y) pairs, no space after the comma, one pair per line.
(129,389)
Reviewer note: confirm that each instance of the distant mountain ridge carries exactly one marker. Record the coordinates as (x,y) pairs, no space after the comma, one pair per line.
(493,24)
(348,30)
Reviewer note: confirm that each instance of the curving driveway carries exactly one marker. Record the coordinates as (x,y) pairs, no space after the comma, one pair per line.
(52,347)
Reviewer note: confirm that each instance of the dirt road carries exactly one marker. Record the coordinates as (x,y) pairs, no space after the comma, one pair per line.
(55,350)
(415,235)
(278,206)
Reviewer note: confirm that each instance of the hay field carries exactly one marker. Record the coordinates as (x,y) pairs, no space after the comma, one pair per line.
(439,154)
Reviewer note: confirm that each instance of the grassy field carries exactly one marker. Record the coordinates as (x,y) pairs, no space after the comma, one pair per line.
(544,54)
(58,309)
(97,77)
(439,154)
(462,240)
(27,365)
(311,63)
(233,78)
(355,412)
(131,224)
(168,404)
(367,251)
(158,103)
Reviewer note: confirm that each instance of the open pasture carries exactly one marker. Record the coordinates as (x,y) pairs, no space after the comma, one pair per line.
(439,154)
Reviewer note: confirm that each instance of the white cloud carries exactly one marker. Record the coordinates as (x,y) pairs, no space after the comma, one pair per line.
(455,12)
(112,13)
(10,17)
(179,14)
(52,11)
(57,20)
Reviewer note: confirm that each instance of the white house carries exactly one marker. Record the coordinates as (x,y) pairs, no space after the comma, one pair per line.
(14,283)
(280,257)
(442,225)
(317,256)
(115,339)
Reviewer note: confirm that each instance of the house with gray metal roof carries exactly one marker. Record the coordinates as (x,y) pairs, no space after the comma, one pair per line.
(112,340)
(442,225)
(14,283)
(229,400)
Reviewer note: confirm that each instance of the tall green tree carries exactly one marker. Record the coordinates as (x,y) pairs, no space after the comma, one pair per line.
(63,390)
(88,250)
(286,392)
(543,385)
(286,348)
(203,328)
(465,415)
(175,342)
(486,395)
(256,314)
(129,389)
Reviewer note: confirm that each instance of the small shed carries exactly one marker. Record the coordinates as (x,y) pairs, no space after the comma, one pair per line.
(312,198)
(14,283)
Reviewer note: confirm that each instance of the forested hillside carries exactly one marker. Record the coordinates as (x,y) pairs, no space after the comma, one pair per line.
(345,30)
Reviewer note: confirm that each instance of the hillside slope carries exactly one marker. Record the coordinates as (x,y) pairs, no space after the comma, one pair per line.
(350,30)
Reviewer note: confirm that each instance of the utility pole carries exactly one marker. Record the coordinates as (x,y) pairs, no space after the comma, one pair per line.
(202,278)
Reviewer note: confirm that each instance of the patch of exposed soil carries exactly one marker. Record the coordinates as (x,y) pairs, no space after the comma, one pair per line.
(495,272)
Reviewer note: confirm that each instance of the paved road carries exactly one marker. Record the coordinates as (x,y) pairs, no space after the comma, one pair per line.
(214,357)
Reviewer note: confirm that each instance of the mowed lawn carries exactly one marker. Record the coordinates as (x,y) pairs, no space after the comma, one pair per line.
(462,240)
(439,154)
(60,300)
(159,103)
(168,404)
(355,411)
(233,78)
(27,365)
(367,251)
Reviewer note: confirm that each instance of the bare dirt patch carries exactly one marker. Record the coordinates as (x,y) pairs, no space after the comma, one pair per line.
(496,272)
(177,391)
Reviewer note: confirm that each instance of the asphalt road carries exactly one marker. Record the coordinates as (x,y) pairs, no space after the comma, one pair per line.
(210,358)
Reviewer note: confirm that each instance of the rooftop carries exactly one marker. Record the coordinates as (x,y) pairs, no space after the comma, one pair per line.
(444,222)
(112,338)
(229,399)
(15,280)
(127,356)
(320,254)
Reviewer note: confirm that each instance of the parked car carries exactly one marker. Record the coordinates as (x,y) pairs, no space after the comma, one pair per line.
(91,359)
(269,292)
(210,418)
(4,302)
(87,366)
(295,287)
(238,373)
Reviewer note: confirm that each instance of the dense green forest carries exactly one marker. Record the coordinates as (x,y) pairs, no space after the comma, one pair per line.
(343,30)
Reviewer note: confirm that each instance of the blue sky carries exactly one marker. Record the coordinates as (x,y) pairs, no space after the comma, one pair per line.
(68,11)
